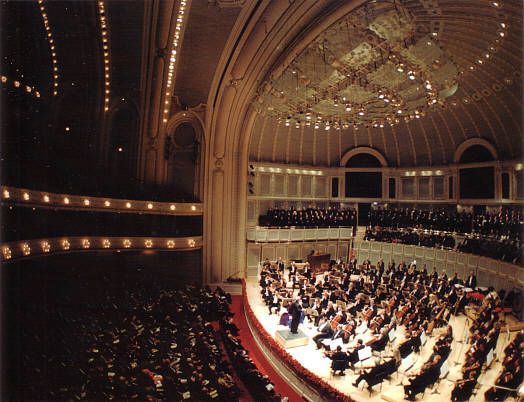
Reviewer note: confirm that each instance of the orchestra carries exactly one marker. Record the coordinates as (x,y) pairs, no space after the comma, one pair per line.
(359,306)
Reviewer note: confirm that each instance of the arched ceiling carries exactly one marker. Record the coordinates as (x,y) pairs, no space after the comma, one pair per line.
(412,79)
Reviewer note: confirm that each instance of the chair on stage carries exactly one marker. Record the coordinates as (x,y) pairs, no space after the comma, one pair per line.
(338,365)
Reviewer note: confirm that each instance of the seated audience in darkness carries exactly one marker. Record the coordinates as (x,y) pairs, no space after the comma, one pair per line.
(150,343)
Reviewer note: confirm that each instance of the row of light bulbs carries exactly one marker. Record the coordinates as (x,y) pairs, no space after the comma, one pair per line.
(26,196)
(181,15)
(51,41)
(17,84)
(65,245)
(501,34)
(105,48)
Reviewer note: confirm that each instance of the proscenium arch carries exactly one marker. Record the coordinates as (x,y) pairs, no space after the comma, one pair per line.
(474,141)
(363,150)
(268,33)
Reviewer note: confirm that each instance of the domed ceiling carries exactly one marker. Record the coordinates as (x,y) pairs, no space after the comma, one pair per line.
(413,79)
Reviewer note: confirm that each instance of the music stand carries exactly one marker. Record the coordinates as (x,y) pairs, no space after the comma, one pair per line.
(423,338)
(444,370)
(364,354)
(406,364)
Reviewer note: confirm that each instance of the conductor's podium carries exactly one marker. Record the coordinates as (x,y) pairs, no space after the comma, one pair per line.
(289,340)
(319,262)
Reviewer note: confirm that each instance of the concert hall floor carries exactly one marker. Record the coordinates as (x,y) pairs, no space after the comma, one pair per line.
(314,360)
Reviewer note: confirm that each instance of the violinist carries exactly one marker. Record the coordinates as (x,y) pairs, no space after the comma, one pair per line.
(338,355)
(337,334)
(324,331)
(353,352)
(329,311)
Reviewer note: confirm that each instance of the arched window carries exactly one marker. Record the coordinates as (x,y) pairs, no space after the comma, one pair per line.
(476,153)
(363,160)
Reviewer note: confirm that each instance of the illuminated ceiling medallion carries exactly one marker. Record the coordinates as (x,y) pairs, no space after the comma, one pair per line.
(367,69)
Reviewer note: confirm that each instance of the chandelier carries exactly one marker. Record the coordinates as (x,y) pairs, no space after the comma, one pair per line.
(372,68)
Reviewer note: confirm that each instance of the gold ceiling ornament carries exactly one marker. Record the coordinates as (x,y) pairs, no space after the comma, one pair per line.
(371,68)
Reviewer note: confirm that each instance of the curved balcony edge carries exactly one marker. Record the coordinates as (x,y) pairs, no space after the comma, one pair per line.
(68,244)
(33,198)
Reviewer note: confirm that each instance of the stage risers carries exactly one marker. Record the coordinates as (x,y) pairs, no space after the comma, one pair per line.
(288,340)
(312,359)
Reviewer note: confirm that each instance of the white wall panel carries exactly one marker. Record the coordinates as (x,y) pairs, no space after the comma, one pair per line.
(292,185)
(253,256)
(273,235)
(268,252)
(281,251)
(285,235)
(321,186)
(305,186)
(323,234)
(264,184)
(278,184)
(345,233)
(334,233)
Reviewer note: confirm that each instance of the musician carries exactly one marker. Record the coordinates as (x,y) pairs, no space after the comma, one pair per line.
(275,303)
(454,280)
(508,379)
(380,266)
(338,355)
(464,388)
(427,376)
(267,295)
(337,334)
(324,331)
(353,355)
(292,269)
(471,281)
(434,274)
(307,271)
(329,311)
(280,265)
(377,374)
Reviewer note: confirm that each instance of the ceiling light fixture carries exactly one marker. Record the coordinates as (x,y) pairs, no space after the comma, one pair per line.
(104,32)
(50,41)
(181,16)
(340,82)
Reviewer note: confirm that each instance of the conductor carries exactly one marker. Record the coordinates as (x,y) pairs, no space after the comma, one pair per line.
(295,312)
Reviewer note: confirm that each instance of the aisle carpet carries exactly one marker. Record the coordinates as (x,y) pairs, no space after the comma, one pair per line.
(281,386)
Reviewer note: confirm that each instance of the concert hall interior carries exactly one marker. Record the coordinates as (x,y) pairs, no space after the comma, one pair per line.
(261,200)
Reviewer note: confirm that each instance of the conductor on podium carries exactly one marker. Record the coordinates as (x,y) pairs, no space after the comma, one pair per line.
(295,312)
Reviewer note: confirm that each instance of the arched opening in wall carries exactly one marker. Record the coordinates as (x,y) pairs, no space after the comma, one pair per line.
(182,151)
(364,184)
(363,160)
(476,153)
(122,145)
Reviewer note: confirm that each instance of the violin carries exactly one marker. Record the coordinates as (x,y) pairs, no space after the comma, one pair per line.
(400,313)
(348,330)
(367,314)
(376,323)
(335,321)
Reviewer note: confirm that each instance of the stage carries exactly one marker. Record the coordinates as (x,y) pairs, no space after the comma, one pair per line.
(315,361)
